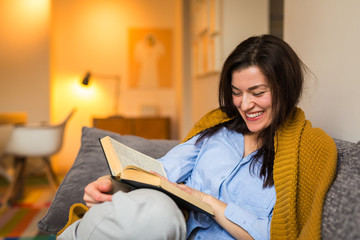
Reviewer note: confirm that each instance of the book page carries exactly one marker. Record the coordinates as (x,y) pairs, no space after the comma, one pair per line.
(129,156)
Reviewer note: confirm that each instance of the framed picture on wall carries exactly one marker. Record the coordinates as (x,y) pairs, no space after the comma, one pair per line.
(150,58)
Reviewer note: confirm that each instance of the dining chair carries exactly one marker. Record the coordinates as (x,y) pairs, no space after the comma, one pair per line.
(34,140)
(7,122)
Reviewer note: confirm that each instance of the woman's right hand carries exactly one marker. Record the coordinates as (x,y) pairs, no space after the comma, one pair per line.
(98,191)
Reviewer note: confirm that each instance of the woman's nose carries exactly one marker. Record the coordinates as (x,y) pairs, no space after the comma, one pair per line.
(246,103)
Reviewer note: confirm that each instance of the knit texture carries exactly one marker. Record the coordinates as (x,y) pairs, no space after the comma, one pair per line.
(76,212)
(213,118)
(304,168)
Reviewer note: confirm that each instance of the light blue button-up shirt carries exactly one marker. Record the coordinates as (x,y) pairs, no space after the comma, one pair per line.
(216,166)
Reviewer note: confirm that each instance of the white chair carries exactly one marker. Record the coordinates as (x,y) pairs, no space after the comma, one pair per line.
(7,122)
(34,140)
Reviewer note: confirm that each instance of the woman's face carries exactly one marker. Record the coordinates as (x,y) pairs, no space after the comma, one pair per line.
(252,97)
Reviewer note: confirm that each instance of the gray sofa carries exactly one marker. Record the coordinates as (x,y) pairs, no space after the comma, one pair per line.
(341,215)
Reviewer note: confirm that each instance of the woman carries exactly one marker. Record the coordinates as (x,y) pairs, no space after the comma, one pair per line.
(255,160)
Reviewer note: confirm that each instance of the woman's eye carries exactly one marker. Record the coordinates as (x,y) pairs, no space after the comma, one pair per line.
(259,93)
(236,93)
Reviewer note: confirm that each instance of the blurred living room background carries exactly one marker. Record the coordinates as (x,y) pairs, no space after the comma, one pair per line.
(48,46)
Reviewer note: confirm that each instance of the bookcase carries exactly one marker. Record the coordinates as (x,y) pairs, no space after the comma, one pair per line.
(146,127)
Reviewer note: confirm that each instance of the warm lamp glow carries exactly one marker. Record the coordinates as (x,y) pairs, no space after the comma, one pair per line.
(84,92)
(36,5)
(29,20)
(33,12)
(87,79)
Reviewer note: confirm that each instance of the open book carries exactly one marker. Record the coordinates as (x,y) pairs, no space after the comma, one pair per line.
(133,168)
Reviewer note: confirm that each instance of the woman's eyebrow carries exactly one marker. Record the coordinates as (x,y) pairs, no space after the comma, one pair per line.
(253,87)
(258,86)
(232,86)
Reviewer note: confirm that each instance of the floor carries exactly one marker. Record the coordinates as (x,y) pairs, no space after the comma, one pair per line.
(19,219)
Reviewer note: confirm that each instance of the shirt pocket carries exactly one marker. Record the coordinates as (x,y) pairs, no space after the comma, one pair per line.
(254,198)
(260,201)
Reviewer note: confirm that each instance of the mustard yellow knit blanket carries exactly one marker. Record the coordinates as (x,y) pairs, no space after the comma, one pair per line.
(304,169)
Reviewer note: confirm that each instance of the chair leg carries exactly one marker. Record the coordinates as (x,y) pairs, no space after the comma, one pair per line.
(3,171)
(54,183)
(19,171)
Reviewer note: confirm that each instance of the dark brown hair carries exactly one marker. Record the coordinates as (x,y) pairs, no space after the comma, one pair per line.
(284,72)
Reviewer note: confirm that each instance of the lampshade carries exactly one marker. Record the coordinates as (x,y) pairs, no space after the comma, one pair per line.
(86,79)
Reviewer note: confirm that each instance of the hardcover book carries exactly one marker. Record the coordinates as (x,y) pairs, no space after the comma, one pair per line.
(133,168)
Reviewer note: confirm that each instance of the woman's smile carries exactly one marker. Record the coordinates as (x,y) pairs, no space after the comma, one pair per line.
(254,116)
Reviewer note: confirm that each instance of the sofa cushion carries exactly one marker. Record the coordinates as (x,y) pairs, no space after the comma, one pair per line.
(341,214)
(89,165)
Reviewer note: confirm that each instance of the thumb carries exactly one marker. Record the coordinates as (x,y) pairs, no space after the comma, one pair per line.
(105,185)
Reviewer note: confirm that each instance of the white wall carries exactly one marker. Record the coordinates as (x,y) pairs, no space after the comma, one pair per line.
(326,35)
(24,58)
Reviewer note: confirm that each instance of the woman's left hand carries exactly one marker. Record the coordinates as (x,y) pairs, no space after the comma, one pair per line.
(196,193)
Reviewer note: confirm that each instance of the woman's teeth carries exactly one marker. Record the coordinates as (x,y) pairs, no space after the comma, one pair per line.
(253,115)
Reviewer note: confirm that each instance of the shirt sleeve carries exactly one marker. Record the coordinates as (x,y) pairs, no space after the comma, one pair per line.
(258,228)
(179,161)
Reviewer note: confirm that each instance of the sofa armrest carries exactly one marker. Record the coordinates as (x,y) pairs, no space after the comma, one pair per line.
(341,214)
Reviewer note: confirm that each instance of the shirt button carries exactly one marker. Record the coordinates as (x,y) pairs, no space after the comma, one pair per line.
(198,237)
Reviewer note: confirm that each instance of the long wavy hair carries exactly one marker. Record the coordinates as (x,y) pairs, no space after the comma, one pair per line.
(284,72)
